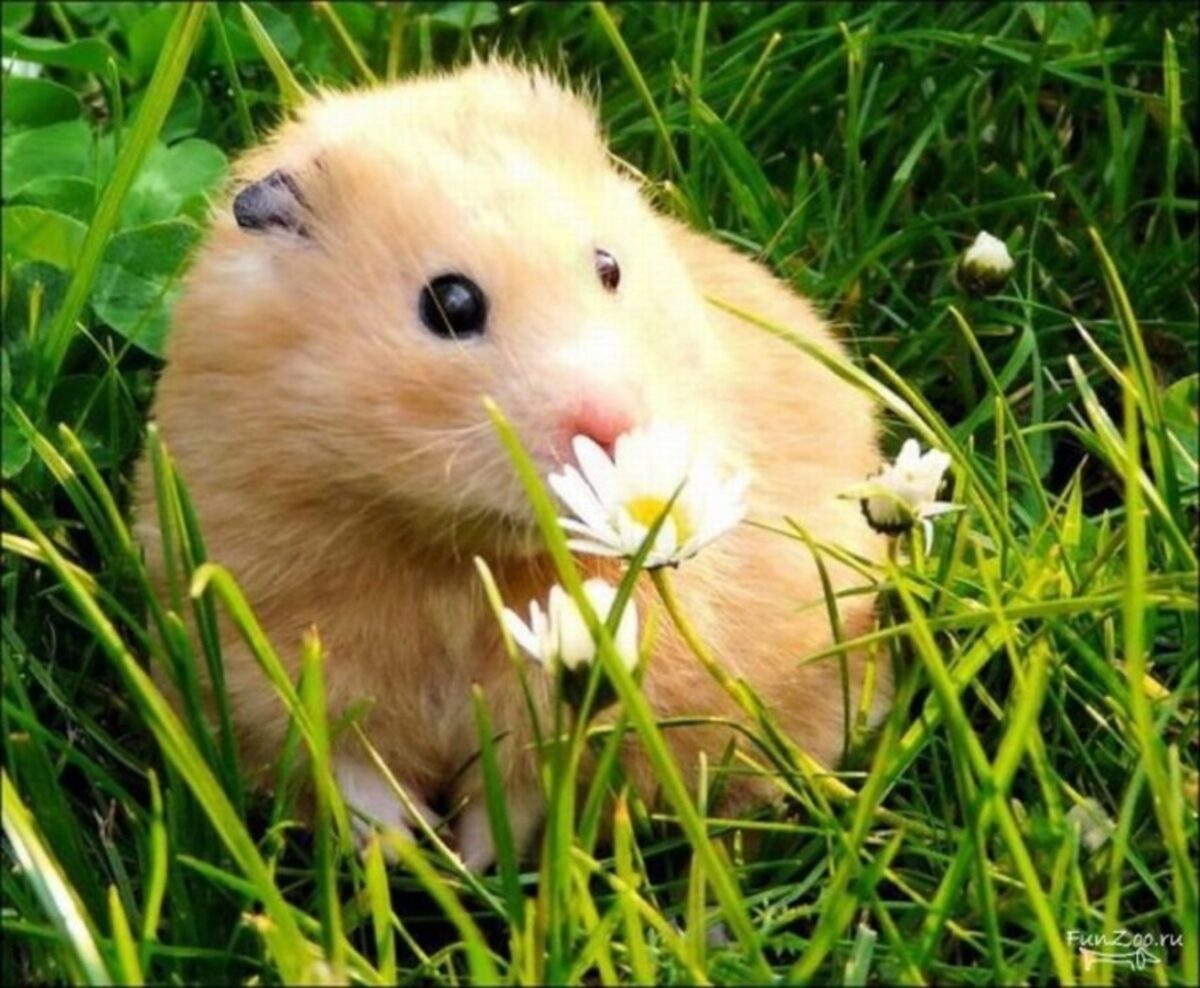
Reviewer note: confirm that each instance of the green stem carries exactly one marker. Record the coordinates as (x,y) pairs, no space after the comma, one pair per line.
(823,785)
(687,632)
(641,715)
(159,97)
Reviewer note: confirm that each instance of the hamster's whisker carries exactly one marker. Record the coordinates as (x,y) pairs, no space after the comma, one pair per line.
(458,437)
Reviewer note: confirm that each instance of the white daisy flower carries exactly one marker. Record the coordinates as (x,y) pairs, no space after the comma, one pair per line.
(616,501)
(560,634)
(905,492)
(985,266)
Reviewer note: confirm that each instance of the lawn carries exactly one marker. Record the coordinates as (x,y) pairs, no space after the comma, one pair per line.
(1028,812)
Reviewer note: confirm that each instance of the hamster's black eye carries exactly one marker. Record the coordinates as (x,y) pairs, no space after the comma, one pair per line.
(608,270)
(453,306)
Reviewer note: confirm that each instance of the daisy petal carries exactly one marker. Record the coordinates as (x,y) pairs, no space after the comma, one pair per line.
(605,536)
(936,462)
(733,491)
(576,495)
(612,500)
(599,470)
(910,454)
(935,508)
(521,633)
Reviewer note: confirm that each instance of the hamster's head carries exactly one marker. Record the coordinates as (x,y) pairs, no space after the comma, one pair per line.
(393,256)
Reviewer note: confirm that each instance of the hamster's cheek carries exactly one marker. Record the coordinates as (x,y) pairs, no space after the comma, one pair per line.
(672,323)
(437,429)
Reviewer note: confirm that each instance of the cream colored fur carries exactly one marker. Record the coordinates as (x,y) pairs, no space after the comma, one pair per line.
(343,465)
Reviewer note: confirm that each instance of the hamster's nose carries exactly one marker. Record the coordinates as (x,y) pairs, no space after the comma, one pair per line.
(601,420)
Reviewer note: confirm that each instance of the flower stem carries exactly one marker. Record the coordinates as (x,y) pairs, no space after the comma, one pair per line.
(824,785)
(781,748)
(687,631)
(917,548)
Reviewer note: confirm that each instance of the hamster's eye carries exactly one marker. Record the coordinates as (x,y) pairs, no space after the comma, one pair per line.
(453,306)
(608,270)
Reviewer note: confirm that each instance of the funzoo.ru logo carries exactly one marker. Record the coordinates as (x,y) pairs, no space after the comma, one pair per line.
(1136,950)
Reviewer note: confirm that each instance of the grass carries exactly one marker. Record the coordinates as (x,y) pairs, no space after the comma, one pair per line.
(1036,785)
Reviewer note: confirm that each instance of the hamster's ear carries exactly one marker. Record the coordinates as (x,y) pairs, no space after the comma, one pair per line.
(274,202)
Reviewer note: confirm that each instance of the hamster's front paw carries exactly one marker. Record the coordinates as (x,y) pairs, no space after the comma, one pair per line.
(473,837)
(374,805)
(473,829)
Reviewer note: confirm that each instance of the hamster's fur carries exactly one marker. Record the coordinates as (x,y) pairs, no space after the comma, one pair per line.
(344,468)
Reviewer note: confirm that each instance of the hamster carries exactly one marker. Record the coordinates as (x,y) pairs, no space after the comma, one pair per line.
(331,430)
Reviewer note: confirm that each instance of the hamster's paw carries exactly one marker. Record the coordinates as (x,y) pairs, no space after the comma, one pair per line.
(473,829)
(473,837)
(374,805)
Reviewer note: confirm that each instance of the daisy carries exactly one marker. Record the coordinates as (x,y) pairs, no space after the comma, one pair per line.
(905,492)
(985,266)
(615,501)
(560,634)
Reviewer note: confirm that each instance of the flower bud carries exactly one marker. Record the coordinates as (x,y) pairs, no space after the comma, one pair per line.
(985,266)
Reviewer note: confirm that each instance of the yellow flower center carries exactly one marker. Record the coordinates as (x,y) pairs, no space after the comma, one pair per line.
(647,510)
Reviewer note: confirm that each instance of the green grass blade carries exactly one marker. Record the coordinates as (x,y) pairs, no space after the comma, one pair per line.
(641,716)
(966,741)
(291,93)
(497,809)
(997,390)
(125,947)
(1174,129)
(156,871)
(479,957)
(61,903)
(345,42)
(1153,757)
(211,576)
(30,762)
(1148,393)
(635,937)
(245,123)
(858,967)
(629,63)
(326,837)
(668,934)
(380,900)
(179,749)
(156,103)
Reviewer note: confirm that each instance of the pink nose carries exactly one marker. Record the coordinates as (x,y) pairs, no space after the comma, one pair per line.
(602,421)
